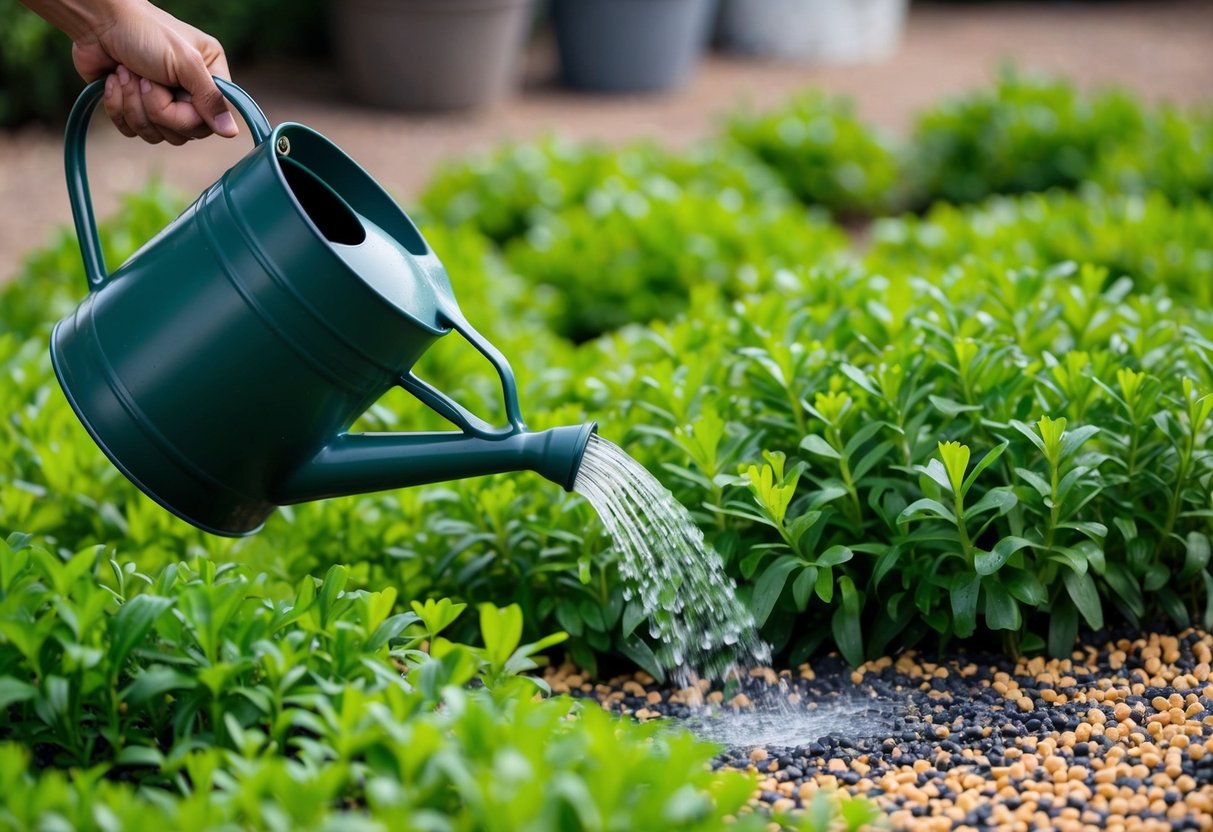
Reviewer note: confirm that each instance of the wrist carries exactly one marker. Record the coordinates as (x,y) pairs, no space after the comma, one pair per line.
(84,21)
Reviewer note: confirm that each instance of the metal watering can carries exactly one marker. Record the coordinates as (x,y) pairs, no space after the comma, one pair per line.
(220,367)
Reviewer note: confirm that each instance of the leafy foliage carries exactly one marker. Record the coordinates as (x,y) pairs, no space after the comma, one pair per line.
(632,258)
(1024,134)
(507,192)
(824,154)
(207,696)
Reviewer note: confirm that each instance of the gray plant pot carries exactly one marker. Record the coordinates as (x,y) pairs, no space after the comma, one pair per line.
(629,45)
(823,31)
(431,54)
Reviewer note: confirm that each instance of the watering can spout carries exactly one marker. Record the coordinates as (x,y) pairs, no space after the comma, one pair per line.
(365,462)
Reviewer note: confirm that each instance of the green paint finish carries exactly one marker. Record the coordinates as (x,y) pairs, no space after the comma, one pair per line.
(220,367)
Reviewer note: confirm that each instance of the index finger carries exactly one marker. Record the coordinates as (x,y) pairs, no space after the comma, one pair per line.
(207,100)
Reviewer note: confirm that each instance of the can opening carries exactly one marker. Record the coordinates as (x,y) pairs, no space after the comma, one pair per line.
(328,211)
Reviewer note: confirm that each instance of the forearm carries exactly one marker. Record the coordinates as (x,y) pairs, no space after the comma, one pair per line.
(80,19)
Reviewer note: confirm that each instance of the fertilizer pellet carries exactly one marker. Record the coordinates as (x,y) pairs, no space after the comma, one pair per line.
(1116,737)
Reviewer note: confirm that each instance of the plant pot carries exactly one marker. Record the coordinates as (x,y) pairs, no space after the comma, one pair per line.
(431,54)
(629,45)
(826,31)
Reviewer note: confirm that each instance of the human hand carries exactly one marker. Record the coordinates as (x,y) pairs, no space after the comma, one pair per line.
(159,85)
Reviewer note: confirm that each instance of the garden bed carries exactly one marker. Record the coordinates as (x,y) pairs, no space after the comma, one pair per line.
(991,429)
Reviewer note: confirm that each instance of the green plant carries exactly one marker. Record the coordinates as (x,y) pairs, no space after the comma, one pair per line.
(1025,134)
(633,257)
(823,154)
(507,192)
(205,696)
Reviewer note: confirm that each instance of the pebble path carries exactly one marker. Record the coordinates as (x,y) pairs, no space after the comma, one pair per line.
(1117,737)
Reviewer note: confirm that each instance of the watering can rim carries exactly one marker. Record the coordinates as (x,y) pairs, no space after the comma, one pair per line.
(273,138)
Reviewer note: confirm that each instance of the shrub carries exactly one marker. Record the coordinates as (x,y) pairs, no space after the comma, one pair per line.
(506,193)
(801,421)
(823,154)
(1175,158)
(1026,134)
(632,256)
(1146,239)
(203,696)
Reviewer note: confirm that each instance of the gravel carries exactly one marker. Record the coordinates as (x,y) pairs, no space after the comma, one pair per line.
(1117,737)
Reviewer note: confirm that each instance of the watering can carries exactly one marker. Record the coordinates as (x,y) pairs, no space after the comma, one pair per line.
(221,366)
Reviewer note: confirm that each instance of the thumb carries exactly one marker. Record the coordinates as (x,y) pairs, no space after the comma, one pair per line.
(207,99)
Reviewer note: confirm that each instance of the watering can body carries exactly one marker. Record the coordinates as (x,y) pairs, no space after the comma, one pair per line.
(222,365)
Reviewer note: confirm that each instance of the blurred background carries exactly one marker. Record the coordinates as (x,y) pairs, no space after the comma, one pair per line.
(407,85)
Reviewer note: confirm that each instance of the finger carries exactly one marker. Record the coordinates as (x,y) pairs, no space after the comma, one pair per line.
(207,100)
(172,114)
(132,107)
(113,106)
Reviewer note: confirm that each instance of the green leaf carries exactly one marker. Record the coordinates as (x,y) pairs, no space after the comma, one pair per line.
(13,691)
(987,563)
(1000,499)
(132,623)
(963,593)
(1001,609)
(153,682)
(802,587)
(985,462)
(1026,587)
(644,657)
(501,629)
(769,587)
(140,755)
(391,627)
(1063,628)
(927,508)
(633,614)
(1082,591)
(1196,554)
(955,458)
(845,623)
(950,408)
(834,556)
(815,444)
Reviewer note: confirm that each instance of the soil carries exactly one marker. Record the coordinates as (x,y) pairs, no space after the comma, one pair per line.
(1119,736)
(1163,49)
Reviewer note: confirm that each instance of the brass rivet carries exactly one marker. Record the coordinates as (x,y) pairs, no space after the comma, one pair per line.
(284,145)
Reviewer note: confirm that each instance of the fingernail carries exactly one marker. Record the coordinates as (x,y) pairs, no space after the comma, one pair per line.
(124,75)
(145,86)
(109,86)
(226,123)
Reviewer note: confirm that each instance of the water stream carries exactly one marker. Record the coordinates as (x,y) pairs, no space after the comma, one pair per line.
(691,606)
(701,629)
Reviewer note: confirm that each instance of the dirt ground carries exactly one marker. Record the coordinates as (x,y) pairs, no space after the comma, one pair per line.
(1162,49)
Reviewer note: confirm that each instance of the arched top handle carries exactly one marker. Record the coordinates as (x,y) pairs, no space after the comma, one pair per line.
(77,173)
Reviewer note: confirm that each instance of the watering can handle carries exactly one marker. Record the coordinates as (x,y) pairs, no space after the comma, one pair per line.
(77,173)
(451,410)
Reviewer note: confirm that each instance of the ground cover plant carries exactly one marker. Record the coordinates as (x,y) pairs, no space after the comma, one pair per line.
(992,425)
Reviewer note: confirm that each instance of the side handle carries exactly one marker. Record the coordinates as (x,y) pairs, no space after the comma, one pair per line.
(77,173)
(457,414)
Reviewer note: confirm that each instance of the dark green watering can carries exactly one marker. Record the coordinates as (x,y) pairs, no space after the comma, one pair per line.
(221,366)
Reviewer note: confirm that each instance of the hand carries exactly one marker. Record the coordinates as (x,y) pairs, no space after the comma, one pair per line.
(159,85)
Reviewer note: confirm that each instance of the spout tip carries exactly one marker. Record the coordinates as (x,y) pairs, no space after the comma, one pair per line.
(560,455)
